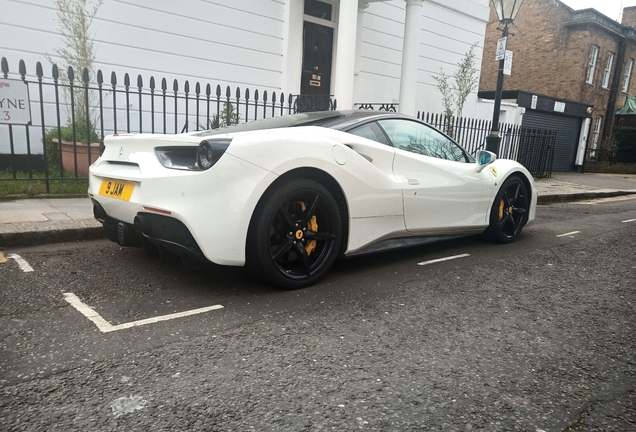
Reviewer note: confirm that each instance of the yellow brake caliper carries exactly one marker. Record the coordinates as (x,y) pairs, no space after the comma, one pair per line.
(501,209)
(311,225)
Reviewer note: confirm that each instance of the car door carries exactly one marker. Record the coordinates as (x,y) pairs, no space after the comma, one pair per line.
(441,188)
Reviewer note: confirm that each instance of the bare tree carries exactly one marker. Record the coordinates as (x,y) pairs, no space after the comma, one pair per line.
(78,51)
(448,96)
(465,77)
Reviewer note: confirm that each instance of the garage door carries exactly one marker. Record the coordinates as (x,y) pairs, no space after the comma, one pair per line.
(567,139)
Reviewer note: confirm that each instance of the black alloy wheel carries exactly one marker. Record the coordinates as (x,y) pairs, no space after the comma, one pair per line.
(509,211)
(295,235)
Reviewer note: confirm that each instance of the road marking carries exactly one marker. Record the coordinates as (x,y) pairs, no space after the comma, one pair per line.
(24,266)
(443,259)
(629,220)
(607,200)
(106,327)
(568,234)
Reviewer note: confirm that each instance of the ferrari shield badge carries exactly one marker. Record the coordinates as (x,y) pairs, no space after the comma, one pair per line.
(493,170)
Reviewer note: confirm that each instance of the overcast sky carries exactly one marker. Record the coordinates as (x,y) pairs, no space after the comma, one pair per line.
(611,8)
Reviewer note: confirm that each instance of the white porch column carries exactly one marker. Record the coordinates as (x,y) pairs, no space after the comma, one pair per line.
(292,47)
(362,6)
(410,57)
(346,53)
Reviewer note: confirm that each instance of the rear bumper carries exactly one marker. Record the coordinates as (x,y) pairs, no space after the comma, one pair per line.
(200,214)
(164,232)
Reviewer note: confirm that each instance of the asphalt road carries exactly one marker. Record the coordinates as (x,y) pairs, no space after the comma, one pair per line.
(538,335)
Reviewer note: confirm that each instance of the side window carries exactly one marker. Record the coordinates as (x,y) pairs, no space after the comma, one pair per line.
(370,131)
(591,65)
(417,138)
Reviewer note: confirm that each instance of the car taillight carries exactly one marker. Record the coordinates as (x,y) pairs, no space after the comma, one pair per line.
(192,158)
(181,158)
(210,151)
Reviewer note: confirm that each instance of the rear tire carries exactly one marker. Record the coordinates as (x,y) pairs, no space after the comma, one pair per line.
(509,212)
(295,234)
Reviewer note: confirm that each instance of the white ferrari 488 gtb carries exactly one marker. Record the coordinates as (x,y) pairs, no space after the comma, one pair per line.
(289,195)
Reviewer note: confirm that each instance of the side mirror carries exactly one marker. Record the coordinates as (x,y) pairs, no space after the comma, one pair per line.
(484,158)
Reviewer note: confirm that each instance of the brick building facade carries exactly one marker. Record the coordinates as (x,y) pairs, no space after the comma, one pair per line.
(577,64)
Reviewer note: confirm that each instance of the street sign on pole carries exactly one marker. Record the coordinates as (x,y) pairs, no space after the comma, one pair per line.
(507,70)
(502,43)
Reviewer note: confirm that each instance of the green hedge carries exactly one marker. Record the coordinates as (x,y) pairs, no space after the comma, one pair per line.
(625,140)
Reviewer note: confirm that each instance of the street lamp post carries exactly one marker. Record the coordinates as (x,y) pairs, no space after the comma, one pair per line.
(506,13)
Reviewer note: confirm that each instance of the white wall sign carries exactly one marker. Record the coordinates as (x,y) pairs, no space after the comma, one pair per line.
(507,69)
(535,99)
(14,102)
(559,106)
(501,48)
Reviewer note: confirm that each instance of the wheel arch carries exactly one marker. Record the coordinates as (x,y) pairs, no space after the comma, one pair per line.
(526,182)
(324,179)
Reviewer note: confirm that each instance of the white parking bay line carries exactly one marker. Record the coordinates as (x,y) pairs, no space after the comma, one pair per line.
(443,259)
(24,266)
(629,220)
(568,234)
(106,327)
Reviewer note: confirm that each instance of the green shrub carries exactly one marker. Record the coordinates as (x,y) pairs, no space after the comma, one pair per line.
(53,154)
(66,133)
(227,117)
(625,140)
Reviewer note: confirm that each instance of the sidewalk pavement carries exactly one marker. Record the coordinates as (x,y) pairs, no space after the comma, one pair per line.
(50,219)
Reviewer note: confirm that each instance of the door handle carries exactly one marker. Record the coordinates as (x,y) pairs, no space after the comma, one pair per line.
(413,182)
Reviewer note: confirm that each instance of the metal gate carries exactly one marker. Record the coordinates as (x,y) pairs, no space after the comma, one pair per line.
(567,138)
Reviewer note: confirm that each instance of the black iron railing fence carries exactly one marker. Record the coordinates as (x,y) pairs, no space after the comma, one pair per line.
(35,152)
(388,107)
(531,147)
(78,110)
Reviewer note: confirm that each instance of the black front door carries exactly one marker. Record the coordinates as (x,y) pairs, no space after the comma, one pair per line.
(317,52)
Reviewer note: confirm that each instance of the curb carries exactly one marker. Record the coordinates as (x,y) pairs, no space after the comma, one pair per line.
(40,196)
(39,233)
(561,198)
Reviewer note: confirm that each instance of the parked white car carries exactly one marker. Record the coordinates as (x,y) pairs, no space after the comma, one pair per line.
(289,195)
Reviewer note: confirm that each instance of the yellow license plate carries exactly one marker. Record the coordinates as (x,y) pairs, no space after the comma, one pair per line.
(117,189)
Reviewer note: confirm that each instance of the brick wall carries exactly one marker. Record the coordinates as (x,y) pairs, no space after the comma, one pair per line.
(629,16)
(538,48)
(552,59)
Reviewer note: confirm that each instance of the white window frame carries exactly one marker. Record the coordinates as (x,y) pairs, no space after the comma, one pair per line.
(628,75)
(608,70)
(595,135)
(591,65)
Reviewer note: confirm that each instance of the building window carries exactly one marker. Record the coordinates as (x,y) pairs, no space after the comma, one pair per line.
(318,9)
(628,75)
(591,65)
(608,70)
(595,136)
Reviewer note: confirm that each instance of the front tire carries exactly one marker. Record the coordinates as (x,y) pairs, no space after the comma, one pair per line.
(295,234)
(509,212)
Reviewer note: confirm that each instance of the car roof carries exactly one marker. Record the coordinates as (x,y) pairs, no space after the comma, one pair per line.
(339,120)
